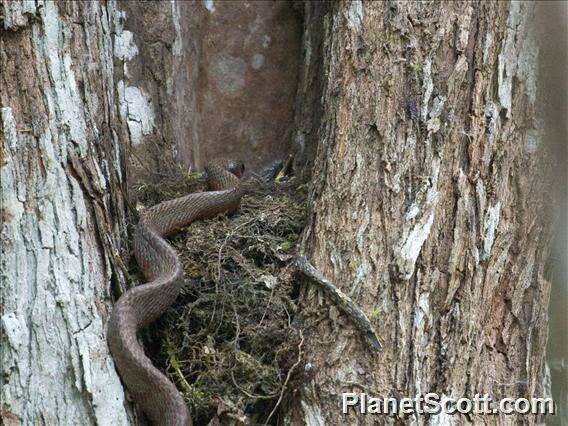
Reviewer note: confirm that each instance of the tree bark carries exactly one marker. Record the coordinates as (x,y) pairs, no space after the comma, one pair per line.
(426,207)
(63,213)
(99,97)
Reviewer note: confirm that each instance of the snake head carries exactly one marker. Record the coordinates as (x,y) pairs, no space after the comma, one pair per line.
(236,167)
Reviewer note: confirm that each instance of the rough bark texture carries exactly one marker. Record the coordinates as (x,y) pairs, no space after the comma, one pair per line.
(63,217)
(97,97)
(160,45)
(426,207)
(308,108)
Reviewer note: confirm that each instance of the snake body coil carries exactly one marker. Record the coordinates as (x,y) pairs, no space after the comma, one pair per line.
(152,390)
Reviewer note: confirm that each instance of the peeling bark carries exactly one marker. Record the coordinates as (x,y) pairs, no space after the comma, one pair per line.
(63,213)
(426,207)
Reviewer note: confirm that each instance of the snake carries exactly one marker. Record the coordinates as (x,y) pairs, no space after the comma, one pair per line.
(139,306)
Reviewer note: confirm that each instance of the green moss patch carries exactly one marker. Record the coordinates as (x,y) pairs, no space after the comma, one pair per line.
(229,342)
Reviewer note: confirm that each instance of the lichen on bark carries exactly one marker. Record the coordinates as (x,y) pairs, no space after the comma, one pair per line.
(63,216)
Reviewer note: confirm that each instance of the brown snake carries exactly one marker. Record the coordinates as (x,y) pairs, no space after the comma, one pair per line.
(151,389)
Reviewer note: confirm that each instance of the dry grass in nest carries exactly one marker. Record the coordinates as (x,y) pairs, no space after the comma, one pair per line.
(229,342)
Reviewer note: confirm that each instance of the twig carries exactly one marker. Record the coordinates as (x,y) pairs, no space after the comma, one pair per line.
(343,301)
(250,395)
(288,377)
(118,261)
(222,246)
(175,365)
(267,305)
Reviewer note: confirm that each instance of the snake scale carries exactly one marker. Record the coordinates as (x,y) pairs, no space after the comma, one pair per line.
(158,397)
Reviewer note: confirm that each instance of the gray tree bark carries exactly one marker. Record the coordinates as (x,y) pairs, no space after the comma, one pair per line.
(99,97)
(426,206)
(63,212)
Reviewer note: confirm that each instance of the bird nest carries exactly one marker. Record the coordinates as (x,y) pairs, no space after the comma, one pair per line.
(229,342)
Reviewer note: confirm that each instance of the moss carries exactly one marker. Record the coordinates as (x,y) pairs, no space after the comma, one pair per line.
(229,339)
(375,314)
(415,67)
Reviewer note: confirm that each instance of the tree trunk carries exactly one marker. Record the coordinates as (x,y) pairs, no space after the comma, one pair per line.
(426,206)
(99,97)
(63,213)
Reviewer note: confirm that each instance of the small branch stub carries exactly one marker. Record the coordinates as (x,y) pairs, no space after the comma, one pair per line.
(342,301)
